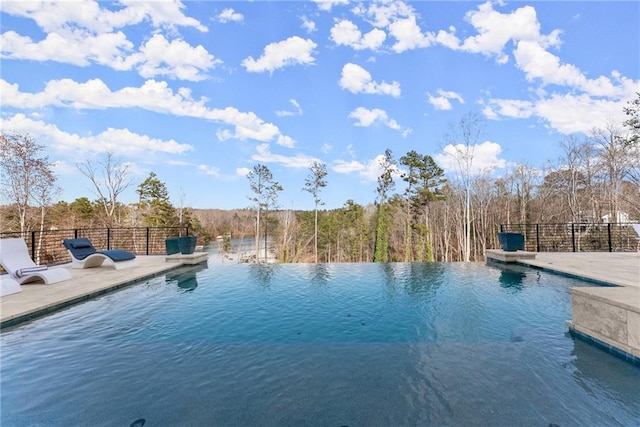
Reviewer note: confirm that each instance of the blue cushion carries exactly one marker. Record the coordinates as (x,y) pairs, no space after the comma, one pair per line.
(118,254)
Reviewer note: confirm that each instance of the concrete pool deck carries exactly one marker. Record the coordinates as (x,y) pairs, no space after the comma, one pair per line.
(614,268)
(37,299)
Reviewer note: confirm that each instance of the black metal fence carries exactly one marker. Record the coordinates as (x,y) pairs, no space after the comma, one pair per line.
(576,237)
(46,247)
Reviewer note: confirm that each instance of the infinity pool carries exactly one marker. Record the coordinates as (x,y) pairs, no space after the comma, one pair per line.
(329,345)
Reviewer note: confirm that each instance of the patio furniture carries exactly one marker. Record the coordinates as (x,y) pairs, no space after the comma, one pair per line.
(84,255)
(15,259)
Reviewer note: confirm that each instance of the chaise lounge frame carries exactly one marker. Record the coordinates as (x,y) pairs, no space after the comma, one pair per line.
(84,255)
(15,259)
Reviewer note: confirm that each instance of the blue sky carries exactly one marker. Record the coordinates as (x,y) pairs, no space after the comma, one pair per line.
(200,92)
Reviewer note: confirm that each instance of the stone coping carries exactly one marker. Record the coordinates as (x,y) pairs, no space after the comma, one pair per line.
(611,268)
(624,297)
(509,256)
(190,259)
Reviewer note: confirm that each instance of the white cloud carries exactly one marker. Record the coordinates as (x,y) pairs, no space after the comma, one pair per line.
(366,118)
(292,51)
(242,171)
(356,79)
(61,167)
(209,170)
(587,102)
(82,33)
(308,25)
(157,56)
(286,141)
(118,141)
(485,157)
(408,35)
(508,108)
(326,5)
(53,16)
(442,102)
(161,14)
(152,96)
(175,59)
(537,63)
(344,167)
(522,28)
(497,29)
(71,47)
(383,14)
(448,38)
(230,15)
(287,113)
(579,113)
(369,170)
(400,21)
(264,155)
(346,33)
(564,113)
(247,125)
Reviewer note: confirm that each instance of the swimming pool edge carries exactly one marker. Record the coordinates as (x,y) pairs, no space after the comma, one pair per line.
(628,350)
(43,310)
(602,343)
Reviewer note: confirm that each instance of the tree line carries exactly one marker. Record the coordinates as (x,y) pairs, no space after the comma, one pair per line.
(417,214)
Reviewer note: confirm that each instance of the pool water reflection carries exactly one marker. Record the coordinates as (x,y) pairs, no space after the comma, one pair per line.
(327,344)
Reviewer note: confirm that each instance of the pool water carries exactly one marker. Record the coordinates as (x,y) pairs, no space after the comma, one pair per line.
(329,345)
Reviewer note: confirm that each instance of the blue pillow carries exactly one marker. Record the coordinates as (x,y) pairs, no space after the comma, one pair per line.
(80,245)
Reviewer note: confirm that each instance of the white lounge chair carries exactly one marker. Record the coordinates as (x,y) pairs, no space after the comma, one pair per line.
(15,259)
(84,255)
(8,286)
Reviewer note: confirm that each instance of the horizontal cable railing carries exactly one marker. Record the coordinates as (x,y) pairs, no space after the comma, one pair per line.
(46,247)
(576,237)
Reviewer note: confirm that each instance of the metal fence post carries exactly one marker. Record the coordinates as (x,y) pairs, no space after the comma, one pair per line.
(537,237)
(573,237)
(108,238)
(147,240)
(33,246)
(609,235)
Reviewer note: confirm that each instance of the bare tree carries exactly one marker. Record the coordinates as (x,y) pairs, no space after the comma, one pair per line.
(313,183)
(26,174)
(44,195)
(110,177)
(464,137)
(180,209)
(524,179)
(266,196)
(484,196)
(613,156)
